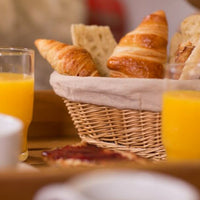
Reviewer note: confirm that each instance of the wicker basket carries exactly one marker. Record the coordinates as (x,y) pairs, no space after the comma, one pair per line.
(127,130)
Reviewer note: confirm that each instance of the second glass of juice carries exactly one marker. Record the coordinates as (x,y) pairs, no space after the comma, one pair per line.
(17,88)
(181,114)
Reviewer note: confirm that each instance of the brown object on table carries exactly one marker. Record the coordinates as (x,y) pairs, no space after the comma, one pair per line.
(67,59)
(84,154)
(142,52)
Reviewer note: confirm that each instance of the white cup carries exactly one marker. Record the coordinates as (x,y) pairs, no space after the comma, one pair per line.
(10,141)
(120,185)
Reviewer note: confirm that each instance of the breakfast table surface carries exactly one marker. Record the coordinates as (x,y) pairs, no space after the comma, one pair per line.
(189,172)
(51,128)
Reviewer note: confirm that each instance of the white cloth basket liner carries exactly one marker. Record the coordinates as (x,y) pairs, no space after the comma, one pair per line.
(121,93)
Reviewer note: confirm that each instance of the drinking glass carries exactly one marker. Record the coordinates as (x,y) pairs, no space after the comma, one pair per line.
(181,113)
(17,88)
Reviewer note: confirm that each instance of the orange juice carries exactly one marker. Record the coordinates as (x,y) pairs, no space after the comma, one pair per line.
(181,125)
(16,98)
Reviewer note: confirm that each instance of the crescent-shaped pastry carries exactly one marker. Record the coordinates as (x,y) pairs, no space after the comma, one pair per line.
(67,59)
(142,52)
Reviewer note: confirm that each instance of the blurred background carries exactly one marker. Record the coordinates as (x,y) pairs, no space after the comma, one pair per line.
(22,21)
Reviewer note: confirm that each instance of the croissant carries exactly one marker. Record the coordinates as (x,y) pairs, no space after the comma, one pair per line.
(142,52)
(67,59)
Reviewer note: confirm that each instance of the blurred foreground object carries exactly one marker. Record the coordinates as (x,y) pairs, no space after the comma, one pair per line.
(118,185)
(10,134)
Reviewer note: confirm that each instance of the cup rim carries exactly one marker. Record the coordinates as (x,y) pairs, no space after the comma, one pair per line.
(16,51)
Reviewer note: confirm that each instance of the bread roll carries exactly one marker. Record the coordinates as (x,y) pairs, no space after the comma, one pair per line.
(142,52)
(191,68)
(181,56)
(185,48)
(189,32)
(190,26)
(97,40)
(67,59)
(174,45)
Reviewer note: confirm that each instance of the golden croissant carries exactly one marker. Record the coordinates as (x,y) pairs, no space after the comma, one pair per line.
(67,59)
(142,52)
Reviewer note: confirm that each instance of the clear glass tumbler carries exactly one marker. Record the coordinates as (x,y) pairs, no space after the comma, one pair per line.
(17,88)
(181,112)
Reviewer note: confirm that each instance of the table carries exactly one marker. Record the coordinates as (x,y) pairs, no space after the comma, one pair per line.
(52,127)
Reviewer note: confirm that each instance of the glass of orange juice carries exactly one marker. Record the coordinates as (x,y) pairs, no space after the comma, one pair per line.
(181,113)
(17,88)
